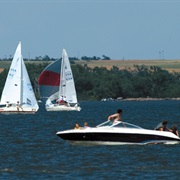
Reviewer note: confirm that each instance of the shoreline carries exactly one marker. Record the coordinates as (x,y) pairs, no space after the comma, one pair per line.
(141,99)
(149,99)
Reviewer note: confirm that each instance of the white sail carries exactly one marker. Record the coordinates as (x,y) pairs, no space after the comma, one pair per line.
(66,89)
(12,89)
(28,96)
(18,88)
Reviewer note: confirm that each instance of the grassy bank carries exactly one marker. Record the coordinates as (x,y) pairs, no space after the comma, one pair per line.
(169,65)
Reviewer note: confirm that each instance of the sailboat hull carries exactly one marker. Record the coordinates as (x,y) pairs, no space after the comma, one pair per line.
(14,110)
(63,108)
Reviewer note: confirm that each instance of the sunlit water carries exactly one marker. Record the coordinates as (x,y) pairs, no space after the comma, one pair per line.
(30,149)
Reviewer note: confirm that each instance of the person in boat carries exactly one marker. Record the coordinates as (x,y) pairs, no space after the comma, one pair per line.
(65,101)
(8,105)
(174,130)
(62,101)
(162,126)
(86,125)
(18,106)
(77,126)
(57,101)
(116,116)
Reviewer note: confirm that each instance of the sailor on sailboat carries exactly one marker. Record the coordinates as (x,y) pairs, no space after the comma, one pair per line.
(63,96)
(18,95)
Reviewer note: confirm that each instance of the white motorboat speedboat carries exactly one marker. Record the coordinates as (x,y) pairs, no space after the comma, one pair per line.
(109,133)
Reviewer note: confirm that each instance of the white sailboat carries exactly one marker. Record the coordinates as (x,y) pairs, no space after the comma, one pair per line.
(18,95)
(57,102)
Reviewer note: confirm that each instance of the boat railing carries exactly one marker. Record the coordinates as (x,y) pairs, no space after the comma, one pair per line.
(128,125)
(118,124)
(102,124)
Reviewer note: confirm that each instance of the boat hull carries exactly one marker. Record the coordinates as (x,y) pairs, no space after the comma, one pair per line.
(112,138)
(63,108)
(14,110)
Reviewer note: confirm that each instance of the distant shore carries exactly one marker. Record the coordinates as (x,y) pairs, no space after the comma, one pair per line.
(169,65)
(139,99)
(149,99)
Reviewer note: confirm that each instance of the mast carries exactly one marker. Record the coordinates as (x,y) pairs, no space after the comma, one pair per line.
(61,88)
(21,76)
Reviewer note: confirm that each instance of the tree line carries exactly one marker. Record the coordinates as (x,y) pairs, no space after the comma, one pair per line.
(98,83)
(141,81)
(47,58)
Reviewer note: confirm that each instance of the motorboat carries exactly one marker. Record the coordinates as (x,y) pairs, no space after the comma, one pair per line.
(116,133)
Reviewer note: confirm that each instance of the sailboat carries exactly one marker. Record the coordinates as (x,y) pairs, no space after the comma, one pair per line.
(59,86)
(18,95)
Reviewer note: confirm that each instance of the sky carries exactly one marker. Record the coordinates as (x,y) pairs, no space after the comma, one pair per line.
(119,29)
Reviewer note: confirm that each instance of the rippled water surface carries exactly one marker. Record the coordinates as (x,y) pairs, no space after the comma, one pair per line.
(30,149)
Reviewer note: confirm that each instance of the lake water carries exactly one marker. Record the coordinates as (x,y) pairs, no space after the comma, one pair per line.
(30,149)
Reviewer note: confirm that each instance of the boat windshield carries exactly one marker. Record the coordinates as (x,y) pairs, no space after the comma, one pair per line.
(118,124)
